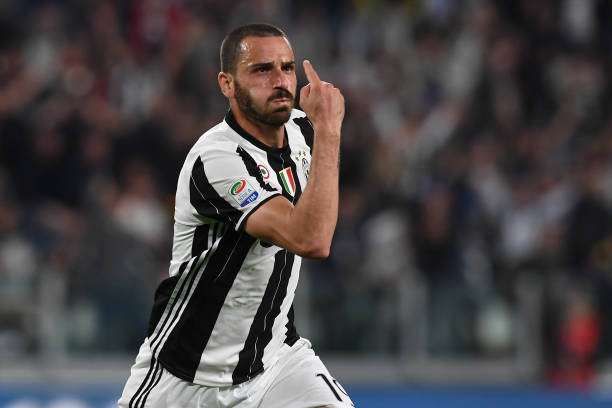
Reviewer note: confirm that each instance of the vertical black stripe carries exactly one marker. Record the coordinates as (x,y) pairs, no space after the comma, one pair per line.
(250,357)
(280,161)
(252,168)
(161,299)
(179,300)
(199,243)
(307,130)
(163,293)
(205,199)
(183,349)
(160,371)
(145,383)
(292,334)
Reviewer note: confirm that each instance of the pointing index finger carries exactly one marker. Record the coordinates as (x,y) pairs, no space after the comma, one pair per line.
(311,74)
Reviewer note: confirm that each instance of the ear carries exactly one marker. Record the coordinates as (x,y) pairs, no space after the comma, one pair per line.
(226,83)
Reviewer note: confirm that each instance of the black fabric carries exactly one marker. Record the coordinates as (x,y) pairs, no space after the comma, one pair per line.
(279,162)
(200,239)
(231,121)
(183,349)
(307,130)
(250,357)
(251,167)
(205,198)
(162,296)
(214,233)
(292,334)
(180,297)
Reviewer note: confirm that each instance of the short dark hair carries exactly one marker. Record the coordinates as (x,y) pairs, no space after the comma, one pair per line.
(230,47)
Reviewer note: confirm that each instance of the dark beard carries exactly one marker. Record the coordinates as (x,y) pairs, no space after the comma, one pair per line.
(276,118)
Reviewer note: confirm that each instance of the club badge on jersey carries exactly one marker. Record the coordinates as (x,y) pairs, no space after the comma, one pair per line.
(302,158)
(243,192)
(306,167)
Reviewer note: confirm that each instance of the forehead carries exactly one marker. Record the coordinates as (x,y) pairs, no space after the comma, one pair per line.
(255,50)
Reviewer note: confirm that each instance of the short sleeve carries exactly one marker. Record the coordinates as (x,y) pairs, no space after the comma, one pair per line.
(226,185)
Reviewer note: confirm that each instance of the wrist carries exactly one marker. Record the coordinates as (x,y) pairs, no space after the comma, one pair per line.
(328,132)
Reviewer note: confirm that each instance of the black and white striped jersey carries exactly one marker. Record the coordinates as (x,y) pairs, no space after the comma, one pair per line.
(226,309)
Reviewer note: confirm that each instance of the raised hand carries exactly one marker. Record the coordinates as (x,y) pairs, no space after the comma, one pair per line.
(322,102)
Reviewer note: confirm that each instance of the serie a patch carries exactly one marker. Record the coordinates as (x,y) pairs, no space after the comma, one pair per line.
(243,192)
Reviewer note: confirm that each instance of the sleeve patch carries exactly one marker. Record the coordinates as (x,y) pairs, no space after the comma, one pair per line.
(243,192)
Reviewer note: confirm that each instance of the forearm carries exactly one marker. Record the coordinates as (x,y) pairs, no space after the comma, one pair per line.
(307,229)
(316,214)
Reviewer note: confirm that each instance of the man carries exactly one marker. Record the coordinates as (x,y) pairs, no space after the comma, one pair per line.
(221,332)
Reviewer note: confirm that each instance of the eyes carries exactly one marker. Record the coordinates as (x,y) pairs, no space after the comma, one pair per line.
(288,67)
(264,68)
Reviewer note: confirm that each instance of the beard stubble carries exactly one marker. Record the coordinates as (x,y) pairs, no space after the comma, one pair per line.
(275,118)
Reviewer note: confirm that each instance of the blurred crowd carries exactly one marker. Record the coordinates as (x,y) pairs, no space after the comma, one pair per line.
(477,154)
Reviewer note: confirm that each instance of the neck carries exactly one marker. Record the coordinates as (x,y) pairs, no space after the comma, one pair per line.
(273,136)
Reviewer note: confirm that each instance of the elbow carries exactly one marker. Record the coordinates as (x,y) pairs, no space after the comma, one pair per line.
(318,253)
(315,250)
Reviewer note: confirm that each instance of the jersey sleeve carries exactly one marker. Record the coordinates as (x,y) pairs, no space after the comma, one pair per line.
(227,186)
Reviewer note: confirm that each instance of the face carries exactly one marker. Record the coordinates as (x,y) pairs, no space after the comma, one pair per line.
(265,80)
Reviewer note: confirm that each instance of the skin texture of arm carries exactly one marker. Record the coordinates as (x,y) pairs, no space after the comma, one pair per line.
(307,229)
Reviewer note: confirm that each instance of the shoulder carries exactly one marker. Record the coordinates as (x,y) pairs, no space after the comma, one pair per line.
(219,140)
(215,149)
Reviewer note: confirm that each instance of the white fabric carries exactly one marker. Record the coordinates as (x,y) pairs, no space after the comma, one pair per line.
(294,381)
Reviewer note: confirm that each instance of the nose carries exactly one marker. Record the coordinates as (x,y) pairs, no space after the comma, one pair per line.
(280,78)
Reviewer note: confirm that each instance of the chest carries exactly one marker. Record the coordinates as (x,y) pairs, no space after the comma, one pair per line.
(286,171)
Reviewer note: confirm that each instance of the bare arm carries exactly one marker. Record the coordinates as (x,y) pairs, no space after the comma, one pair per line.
(307,229)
